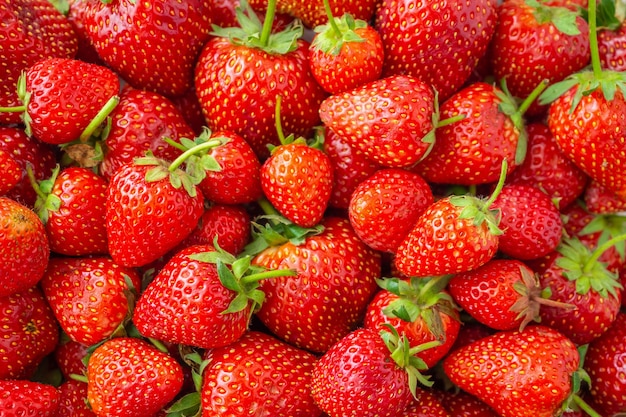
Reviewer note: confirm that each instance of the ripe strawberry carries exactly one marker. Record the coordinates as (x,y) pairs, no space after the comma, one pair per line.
(536,41)
(33,30)
(261,66)
(611,35)
(10,172)
(69,356)
(425,404)
(530,222)
(390,120)
(604,364)
(599,200)
(517,373)
(73,400)
(140,122)
(22,398)
(153,46)
(547,168)
(76,15)
(28,333)
(461,404)
(145,379)
(71,204)
(89,296)
(189,107)
(435,42)
(335,280)
(24,248)
(345,53)
(265,376)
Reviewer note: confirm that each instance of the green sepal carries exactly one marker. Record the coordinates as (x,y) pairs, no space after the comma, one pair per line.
(186,406)
(609,14)
(329,41)
(609,226)
(562,18)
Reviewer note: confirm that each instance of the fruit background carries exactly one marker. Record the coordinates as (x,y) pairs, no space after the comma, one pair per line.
(341,208)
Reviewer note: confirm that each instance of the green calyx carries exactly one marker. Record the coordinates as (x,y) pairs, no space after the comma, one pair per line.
(189,404)
(562,18)
(253,33)
(46,201)
(610,14)
(574,402)
(332,36)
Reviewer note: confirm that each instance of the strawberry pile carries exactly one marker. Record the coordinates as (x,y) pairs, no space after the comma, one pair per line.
(330,208)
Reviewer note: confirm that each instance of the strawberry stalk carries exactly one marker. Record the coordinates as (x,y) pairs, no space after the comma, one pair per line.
(593,40)
(100,118)
(595,255)
(270,13)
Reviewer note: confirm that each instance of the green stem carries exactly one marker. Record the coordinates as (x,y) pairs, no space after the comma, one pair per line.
(175,144)
(81,378)
(450,120)
(277,122)
(523,107)
(100,117)
(158,344)
(34,183)
(499,186)
(275,273)
(196,149)
(267,207)
(584,406)
(601,249)
(593,40)
(16,109)
(268,22)
(331,19)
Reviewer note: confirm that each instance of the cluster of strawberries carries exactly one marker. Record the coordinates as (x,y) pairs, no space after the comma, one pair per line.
(342,208)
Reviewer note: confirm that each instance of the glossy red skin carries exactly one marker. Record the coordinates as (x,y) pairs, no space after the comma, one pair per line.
(33,30)
(611,46)
(68,356)
(384,207)
(145,220)
(357,63)
(487,293)
(604,362)
(239,180)
(10,172)
(140,122)
(76,15)
(229,78)
(72,400)
(440,42)
(470,332)
(442,243)
(462,404)
(129,376)
(524,373)
(471,151)
(526,52)
(189,107)
(160,59)
(24,248)
(592,136)
(27,151)
(23,398)
(530,221)
(88,295)
(362,117)
(28,333)
(426,404)
(78,228)
(343,387)
(417,332)
(258,374)
(297,180)
(66,95)
(547,168)
(328,297)
(184,304)
(599,200)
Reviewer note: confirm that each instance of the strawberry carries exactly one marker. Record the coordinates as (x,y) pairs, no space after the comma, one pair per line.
(335,281)
(547,168)
(27,399)
(599,200)
(530,222)
(10,172)
(604,364)
(345,53)
(145,379)
(73,400)
(265,376)
(435,42)
(33,30)
(89,296)
(151,46)
(384,207)
(71,204)
(24,247)
(28,333)
(69,357)
(426,404)
(258,63)
(76,15)
(390,120)
(517,373)
(536,41)
(611,35)
(189,106)
(462,404)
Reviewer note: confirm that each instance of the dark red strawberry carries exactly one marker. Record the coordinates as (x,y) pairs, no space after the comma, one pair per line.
(153,46)
(73,400)
(439,42)
(22,398)
(69,357)
(462,404)
(425,404)
(10,172)
(76,15)
(611,35)
(599,200)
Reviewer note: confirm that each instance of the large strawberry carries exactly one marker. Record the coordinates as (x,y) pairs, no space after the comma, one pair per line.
(23,398)
(153,46)
(247,68)
(437,42)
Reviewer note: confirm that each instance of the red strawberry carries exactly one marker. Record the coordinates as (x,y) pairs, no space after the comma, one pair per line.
(258,374)
(599,200)
(22,398)
(145,379)
(28,333)
(69,356)
(152,46)
(76,15)
(261,66)
(24,248)
(89,296)
(611,35)
(462,404)
(33,30)
(426,404)
(191,110)
(73,400)
(525,373)
(536,41)
(10,172)
(437,42)
(384,207)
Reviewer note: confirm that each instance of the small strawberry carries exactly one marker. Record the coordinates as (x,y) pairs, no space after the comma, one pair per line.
(69,357)
(73,400)
(462,404)
(425,404)
(145,379)
(22,398)
(612,34)
(10,172)
(24,247)
(599,200)
(28,333)
(517,373)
